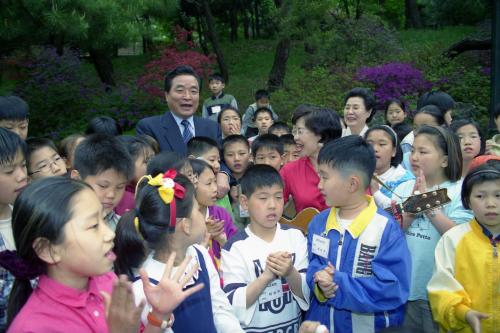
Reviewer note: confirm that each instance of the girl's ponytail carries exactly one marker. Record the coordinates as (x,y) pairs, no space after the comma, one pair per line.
(129,244)
(21,291)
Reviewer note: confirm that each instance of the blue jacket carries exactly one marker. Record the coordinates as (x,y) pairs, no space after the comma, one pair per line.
(372,273)
(165,130)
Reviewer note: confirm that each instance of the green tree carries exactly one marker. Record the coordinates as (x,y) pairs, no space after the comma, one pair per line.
(98,27)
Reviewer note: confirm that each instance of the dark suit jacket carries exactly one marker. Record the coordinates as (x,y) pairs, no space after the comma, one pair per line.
(165,130)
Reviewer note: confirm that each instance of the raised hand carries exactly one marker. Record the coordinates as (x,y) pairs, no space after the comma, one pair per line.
(122,314)
(168,294)
(473,318)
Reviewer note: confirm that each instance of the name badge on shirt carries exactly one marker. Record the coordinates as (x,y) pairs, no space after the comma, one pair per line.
(273,291)
(320,246)
(216,109)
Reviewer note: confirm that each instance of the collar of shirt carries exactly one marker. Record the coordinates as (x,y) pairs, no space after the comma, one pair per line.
(66,295)
(178,120)
(358,224)
(220,95)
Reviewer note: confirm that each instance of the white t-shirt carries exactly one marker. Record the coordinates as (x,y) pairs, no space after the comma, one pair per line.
(6,233)
(243,260)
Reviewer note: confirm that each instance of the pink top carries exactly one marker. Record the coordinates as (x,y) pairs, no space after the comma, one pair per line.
(301,181)
(53,307)
(127,202)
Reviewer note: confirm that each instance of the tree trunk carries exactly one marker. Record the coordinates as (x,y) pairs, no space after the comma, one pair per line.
(346,8)
(233,13)
(246,24)
(201,39)
(257,18)
(467,44)
(212,35)
(103,65)
(412,15)
(277,75)
(252,19)
(358,10)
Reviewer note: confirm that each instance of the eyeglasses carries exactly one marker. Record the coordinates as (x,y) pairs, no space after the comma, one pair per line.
(47,165)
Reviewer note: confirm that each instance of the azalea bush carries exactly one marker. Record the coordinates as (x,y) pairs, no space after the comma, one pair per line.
(394,80)
(181,52)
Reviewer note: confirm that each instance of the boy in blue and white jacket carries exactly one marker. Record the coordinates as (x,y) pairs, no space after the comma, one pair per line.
(359,263)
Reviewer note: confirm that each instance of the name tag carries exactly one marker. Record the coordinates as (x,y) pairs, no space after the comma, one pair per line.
(273,291)
(320,246)
(216,109)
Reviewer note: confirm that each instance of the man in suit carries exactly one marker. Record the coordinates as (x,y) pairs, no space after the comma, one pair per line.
(173,129)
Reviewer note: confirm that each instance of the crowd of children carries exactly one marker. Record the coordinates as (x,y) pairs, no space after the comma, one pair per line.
(106,233)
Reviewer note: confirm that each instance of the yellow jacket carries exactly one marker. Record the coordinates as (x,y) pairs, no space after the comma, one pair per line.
(466,276)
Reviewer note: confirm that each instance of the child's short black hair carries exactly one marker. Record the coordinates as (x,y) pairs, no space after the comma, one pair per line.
(231,139)
(398,158)
(136,145)
(259,176)
(199,145)
(434,112)
(164,161)
(487,172)
(103,125)
(496,111)
(10,145)
(199,166)
(366,95)
(269,141)
(349,154)
(224,109)
(100,152)
(262,93)
(35,144)
(438,98)
(402,130)
(260,110)
(457,124)
(216,77)
(178,71)
(280,125)
(13,108)
(287,139)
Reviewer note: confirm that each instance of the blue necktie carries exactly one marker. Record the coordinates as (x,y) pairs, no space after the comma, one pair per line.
(186,134)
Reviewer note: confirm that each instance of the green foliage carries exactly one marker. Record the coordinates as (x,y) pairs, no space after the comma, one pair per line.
(455,12)
(344,41)
(99,24)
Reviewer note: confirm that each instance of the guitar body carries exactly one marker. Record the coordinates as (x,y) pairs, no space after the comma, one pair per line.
(301,220)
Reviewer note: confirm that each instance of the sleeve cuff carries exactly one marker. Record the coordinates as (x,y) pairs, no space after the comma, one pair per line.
(319,294)
(460,311)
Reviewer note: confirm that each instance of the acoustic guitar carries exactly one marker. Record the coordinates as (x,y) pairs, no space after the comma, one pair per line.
(301,220)
(419,203)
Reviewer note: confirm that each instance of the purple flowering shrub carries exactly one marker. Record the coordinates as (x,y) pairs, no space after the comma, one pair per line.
(394,80)
(62,96)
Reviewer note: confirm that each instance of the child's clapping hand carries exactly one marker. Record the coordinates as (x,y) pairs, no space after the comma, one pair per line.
(122,314)
(215,228)
(280,263)
(324,279)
